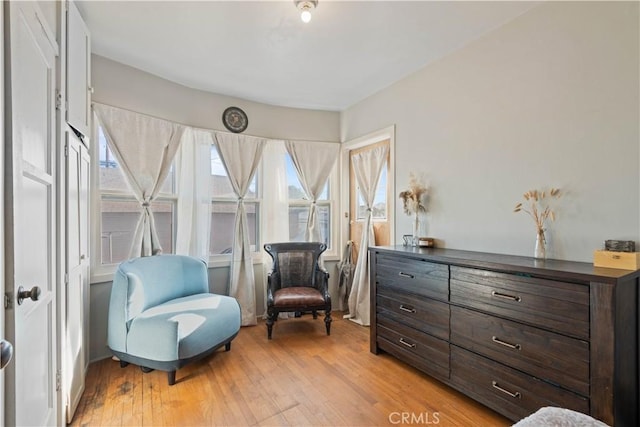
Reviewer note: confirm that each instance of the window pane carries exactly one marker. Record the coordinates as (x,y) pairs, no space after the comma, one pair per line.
(119,219)
(223,215)
(379,201)
(220,184)
(298,222)
(295,187)
(111,175)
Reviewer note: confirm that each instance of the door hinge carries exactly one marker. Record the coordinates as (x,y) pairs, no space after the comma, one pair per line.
(58,99)
(66,150)
(58,380)
(66,278)
(8,301)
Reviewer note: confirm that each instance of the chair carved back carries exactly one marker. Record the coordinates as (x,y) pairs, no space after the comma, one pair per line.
(295,263)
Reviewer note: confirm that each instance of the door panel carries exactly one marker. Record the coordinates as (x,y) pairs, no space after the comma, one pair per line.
(76,226)
(78,71)
(30,215)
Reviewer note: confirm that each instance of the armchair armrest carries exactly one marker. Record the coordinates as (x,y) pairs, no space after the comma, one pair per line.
(322,281)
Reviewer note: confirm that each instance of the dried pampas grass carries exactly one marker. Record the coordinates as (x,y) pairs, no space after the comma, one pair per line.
(414,200)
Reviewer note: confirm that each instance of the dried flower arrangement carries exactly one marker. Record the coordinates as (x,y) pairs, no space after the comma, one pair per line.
(537,210)
(540,211)
(414,200)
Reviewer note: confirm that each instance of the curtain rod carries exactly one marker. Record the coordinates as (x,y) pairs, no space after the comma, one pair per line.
(206,129)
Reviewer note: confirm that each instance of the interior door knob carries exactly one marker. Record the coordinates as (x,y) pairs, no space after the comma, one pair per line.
(23,294)
(6,352)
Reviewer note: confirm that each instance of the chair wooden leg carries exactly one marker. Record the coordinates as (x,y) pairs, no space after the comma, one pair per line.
(171,377)
(315,314)
(327,321)
(272,315)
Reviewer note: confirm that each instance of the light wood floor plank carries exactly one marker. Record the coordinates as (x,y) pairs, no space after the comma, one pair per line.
(300,378)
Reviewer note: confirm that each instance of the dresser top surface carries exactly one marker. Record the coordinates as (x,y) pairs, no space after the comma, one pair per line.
(569,270)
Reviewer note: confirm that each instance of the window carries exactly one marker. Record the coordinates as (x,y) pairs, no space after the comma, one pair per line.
(299,207)
(379,210)
(120,211)
(224,204)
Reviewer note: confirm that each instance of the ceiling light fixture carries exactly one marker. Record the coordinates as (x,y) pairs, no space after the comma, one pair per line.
(306,6)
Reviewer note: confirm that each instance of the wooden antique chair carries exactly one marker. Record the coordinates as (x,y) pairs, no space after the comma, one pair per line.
(297,283)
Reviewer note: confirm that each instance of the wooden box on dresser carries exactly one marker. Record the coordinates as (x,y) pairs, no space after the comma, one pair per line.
(513,333)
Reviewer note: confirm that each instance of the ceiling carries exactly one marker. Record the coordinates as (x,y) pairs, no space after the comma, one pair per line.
(261,50)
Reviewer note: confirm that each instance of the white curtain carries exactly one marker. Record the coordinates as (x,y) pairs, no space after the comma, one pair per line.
(275,206)
(193,176)
(145,147)
(367,166)
(240,156)
(313,162)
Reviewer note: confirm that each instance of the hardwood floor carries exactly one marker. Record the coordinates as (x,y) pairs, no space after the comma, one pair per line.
(302,378)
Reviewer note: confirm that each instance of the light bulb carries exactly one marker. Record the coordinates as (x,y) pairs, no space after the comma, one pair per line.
(305,16)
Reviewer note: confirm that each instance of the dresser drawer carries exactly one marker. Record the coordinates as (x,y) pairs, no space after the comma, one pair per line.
(508,391)
(424,351)
(412,275)
(423,314)
(559,306)
(543,354)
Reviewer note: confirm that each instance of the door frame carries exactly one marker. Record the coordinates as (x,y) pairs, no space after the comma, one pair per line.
(363,141)
(2,207)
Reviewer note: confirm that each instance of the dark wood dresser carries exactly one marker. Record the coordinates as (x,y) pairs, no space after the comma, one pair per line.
(513,333)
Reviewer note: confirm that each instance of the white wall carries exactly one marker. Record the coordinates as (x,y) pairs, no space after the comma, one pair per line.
(550,99)
(126,87)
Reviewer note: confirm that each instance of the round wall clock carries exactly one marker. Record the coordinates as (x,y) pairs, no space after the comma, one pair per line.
(235,119)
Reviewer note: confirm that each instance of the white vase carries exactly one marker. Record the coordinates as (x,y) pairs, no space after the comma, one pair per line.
(540,251)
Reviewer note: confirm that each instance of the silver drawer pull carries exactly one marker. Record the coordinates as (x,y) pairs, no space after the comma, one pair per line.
(407,309)
(406,343)
(407,275)
(506,344)
(506,296)
(515,395)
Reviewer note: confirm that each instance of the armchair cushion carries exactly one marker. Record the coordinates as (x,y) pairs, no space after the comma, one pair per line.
(183,327)
(298,297)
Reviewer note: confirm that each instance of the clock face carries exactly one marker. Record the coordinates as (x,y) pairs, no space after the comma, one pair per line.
(235,119)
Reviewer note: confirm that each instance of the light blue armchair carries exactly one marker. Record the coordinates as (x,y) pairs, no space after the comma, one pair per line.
(162,316)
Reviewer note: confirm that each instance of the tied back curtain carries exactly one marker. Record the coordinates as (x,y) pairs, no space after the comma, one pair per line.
(193,173)
(313,162)
(145,147)
(367,166)
(240,156)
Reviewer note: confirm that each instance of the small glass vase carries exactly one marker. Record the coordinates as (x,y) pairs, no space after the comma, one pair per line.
(416,231)
(540,251)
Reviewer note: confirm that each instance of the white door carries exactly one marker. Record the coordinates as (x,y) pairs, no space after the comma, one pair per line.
(77,167)
(30,197)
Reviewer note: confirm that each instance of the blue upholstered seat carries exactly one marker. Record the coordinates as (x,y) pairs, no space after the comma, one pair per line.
(162,315)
